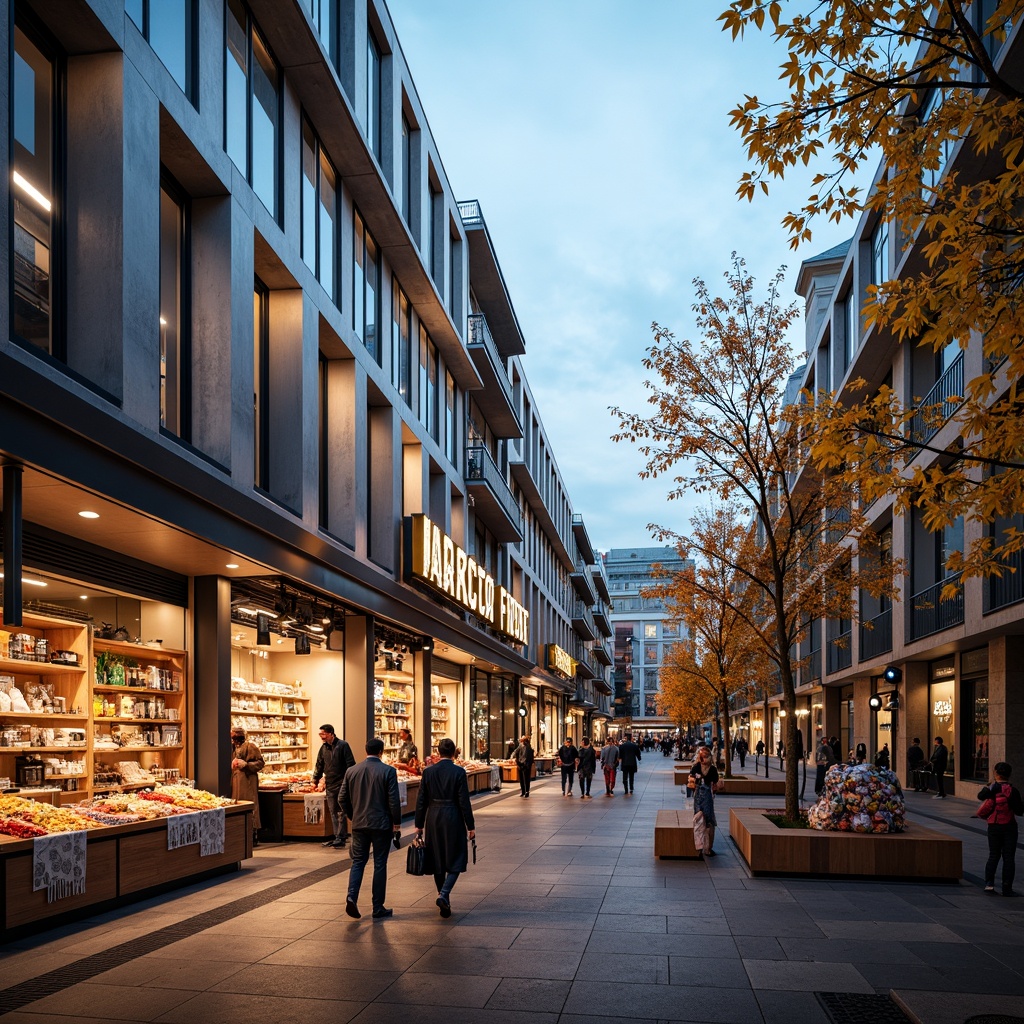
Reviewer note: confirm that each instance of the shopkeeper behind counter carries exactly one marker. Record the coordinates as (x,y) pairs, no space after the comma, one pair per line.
(246,765)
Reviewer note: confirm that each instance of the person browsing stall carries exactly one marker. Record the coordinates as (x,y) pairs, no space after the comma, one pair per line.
(246,764)
(334,759)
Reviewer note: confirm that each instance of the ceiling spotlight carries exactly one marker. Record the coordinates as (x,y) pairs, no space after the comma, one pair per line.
(262,631)
(231,565)
(86,514)
(428,644)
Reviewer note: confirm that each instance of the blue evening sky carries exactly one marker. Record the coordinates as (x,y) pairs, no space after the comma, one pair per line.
(596,136)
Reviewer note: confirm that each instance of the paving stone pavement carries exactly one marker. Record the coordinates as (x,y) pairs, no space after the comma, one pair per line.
(566,918)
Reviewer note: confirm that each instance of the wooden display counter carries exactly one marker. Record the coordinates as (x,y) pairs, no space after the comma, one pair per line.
(123,863)
(510,772)
(544,765)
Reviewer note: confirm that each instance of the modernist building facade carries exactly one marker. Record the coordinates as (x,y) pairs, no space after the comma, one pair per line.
(961,658)
(644,633)
(252,334)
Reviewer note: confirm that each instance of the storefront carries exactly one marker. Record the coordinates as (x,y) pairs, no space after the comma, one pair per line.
(975,724)
(942,707)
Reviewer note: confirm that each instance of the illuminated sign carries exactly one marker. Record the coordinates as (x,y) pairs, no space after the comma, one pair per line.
(433,558)
(560,661)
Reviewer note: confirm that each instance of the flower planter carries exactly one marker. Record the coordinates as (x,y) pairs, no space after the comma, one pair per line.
(918,854)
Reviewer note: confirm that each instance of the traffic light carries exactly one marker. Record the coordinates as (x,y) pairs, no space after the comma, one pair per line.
(892,674)
(875,702)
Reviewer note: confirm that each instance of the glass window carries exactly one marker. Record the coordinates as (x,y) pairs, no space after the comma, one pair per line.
(449,416)
(425,345)
(650,630)
(976,696)
(406,171)
(33,193)
(168,26)
(373,132)
(366,289)
(401,339)
(432,373)
(940,697)
(324,15)
(852,311)
(880,253)
(252,106)
(174,347)
(261,385)
(432,213)
(319,210)
(323,435)
(650,654)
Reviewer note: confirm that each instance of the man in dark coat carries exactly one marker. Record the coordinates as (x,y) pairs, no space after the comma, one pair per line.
(369,796)
(629,758)
(568,755)
(915,762)
(940,759)
(443,807)
(587,767)
(523,757)
(334,759)
(741,751)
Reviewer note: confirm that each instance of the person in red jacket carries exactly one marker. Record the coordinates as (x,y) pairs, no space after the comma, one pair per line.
(1001,804)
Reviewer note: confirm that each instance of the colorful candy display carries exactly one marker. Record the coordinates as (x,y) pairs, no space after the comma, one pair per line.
(859,798)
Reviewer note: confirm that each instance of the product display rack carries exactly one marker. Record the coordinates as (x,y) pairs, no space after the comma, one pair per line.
(275,716)
(392,711)
(150,684)
(56,695)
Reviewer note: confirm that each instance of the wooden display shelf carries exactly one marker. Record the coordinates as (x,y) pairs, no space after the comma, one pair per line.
(110,688)
(141,652)
(99,720)
(35,716)
(42,750)
(122,862)
(24,667)
(115,750)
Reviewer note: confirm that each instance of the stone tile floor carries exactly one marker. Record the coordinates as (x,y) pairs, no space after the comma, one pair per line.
(566,918)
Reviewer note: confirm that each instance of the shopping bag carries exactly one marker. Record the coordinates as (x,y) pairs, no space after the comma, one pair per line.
(416,858)
(699,830)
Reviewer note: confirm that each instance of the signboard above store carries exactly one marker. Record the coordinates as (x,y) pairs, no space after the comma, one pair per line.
(433,558)
(560,662)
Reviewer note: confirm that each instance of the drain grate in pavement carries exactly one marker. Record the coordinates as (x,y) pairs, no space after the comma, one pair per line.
(17,996)
(856,1008)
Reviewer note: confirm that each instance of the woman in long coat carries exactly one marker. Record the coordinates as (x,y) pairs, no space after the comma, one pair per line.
(702,780)
(443,808)
(246,765)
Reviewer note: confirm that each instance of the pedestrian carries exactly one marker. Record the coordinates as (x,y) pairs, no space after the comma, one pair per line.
(629,760)
(333,760)
(246,764)
(1001,804)
(703,780)
(568,758)
(882,757)
(759,749)
(862,753)
(587,767)
(940,759)
(443,808)
(833,742)
(823,760)
(369,796)
(523,757)
(408,752)
(915,762)
(742,749)
(609,762)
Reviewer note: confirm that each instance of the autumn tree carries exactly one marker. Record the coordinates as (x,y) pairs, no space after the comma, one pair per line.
(719,424)
(721,663)
(682,696)
(933,93)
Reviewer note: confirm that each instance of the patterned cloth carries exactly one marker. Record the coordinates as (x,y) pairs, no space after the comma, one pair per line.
(58,864)
(182,830)
(403,793)
(313,808)
(211,832)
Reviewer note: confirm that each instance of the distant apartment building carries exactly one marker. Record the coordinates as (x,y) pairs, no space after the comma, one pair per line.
(643,634)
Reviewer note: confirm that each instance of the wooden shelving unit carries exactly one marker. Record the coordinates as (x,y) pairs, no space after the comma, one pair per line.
(392,711)
(275,716)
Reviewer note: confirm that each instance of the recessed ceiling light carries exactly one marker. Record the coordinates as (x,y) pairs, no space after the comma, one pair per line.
(231,565)
(86,514)
(84,597)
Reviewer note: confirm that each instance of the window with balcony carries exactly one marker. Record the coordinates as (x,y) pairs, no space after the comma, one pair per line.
(36,259)
(252,105)
(175,349)
(931,610)
(401,342)
(319,211)
(169,28)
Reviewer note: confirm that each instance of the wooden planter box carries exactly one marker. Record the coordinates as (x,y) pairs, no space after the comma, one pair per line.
(919,854)
(750,785)
(673,834)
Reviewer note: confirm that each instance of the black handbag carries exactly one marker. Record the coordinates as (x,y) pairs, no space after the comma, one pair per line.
(416,858)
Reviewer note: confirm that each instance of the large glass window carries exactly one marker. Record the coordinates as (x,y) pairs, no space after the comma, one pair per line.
(432,214)
(401,341)
(405,190)
(175,362)
(941,708)
(32,179)
(366,289)
(449,417)
(373,61)
(319,211)
(976,703)
(252,105)
(261,385)
(851,307)
(428,382)
(324,14)
(169,28)
(323,435)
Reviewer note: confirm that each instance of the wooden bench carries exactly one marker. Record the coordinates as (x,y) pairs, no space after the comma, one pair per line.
(673,834)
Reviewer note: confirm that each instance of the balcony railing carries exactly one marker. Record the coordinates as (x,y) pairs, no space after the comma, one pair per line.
(470,212)
(812,667)
(480,334)
(876,635)
(929,613)
(838,652)
(1007,589)
(480,466)
(940,403)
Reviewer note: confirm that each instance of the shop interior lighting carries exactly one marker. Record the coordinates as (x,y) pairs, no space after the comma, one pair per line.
(231,565)
(28,581)
(89,514)
(26,186)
